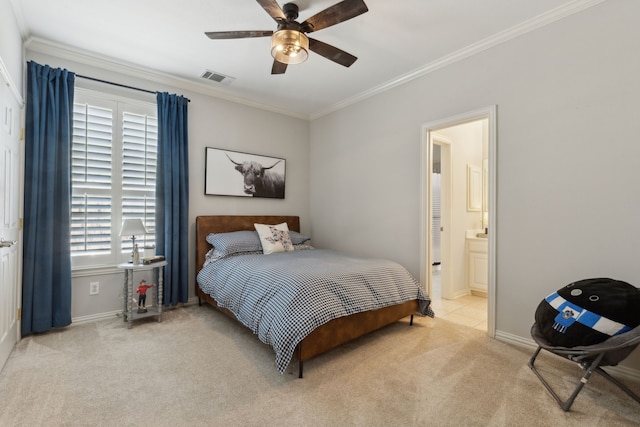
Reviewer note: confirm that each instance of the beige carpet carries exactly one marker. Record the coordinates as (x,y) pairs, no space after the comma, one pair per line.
(198,368)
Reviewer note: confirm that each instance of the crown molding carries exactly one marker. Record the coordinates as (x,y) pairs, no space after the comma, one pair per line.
(473,49)
(35,44)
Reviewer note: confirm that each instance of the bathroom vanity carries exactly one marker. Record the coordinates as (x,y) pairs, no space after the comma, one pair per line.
(477,246)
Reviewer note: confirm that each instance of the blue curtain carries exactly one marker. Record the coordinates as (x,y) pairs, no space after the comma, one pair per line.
(172,195)
(46,284)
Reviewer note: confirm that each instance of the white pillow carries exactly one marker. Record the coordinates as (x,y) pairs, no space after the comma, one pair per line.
(274,238)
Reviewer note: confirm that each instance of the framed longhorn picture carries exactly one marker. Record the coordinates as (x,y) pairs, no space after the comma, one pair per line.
(232,173)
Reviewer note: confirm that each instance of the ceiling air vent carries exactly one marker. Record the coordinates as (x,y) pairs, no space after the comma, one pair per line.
(217,77)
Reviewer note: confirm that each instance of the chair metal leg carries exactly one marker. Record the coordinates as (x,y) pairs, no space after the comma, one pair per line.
(622,387)
(590,359)
(565,405)
(589,368)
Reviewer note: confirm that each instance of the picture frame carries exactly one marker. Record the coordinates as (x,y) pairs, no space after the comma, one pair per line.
(234,173)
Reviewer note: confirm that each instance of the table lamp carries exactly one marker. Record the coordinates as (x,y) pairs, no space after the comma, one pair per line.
(132,227)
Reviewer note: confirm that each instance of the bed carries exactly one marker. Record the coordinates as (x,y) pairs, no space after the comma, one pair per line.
(325,333)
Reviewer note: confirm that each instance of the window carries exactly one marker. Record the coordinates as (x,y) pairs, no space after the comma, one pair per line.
(113,176)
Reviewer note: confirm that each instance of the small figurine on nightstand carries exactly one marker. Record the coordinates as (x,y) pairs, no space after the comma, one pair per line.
(142,298)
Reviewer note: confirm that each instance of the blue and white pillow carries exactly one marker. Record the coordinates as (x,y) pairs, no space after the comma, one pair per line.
(234,242)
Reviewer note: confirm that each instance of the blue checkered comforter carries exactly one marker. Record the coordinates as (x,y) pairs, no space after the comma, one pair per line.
(282,297)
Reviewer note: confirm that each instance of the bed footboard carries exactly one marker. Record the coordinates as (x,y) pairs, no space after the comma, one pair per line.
(344,329)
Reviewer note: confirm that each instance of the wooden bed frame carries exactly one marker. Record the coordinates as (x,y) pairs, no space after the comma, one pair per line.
(323,338)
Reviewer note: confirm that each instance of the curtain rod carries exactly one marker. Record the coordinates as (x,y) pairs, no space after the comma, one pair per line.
(119,84)
(116,84)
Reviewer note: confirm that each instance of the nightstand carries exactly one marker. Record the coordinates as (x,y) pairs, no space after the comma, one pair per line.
(154,304)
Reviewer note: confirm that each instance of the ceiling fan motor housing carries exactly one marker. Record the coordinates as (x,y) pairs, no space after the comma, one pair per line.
(290,11)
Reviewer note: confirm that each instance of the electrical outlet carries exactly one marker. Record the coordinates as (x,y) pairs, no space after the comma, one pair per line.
(94,288)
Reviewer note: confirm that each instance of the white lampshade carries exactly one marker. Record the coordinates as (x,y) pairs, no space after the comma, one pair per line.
(133,227)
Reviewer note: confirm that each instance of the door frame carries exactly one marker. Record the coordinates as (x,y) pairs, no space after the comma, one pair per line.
(427,134)
(445,213)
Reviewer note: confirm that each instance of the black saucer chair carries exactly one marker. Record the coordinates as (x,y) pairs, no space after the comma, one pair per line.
(590,358)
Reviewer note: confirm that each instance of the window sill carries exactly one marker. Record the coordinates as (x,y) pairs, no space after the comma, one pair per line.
(101,270)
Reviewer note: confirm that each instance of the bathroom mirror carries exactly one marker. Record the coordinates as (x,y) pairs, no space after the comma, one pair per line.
(474,188)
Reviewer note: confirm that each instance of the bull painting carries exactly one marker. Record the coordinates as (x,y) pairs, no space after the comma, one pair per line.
(260,176)
(260,181)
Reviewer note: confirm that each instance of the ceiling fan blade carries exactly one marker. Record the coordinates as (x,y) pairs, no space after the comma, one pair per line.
(273,9)
(222,35)
(332,53)
(335,14)
(278,67)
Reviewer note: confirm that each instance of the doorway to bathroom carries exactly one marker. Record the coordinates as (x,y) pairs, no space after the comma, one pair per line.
(440,208)
(459,207)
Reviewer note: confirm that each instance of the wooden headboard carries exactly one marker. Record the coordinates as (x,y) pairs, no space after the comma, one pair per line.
(226,223)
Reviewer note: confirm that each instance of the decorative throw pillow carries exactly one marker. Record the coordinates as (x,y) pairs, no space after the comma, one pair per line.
(274,238)
(588,312)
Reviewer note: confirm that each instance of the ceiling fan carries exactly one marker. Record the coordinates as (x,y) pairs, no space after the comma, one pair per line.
(289,43)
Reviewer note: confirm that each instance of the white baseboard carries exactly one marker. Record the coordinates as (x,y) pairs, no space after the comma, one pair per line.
(110,314)
(95,317)
(622,371)
(516,339)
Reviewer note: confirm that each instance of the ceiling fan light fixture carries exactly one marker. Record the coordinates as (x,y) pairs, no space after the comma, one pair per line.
(289,46)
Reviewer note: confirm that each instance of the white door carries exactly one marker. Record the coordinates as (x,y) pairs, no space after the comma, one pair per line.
(10,131)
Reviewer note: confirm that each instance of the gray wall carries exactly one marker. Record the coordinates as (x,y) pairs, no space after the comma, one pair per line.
(568,125)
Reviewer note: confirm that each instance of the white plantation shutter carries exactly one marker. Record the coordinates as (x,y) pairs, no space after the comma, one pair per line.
(139,160)
(91,180)
(114,159)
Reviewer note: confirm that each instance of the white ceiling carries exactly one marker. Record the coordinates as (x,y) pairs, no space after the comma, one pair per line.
(393,41)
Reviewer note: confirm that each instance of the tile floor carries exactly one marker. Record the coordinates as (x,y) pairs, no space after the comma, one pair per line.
(469,310)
